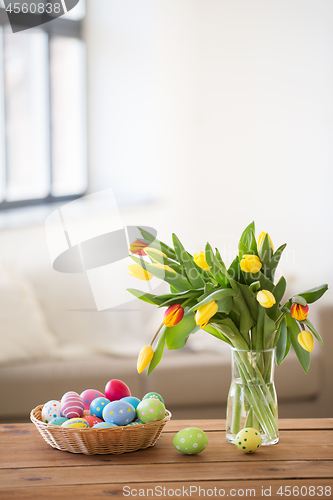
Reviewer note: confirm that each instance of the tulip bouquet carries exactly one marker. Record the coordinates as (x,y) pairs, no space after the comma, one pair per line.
(240,305)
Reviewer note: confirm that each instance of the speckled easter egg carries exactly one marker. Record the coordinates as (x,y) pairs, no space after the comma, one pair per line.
(79,423)
(58,421)
(153,395)
(132,400)
(97,406)
(92,420)
(190,441)
(248,440)
(119,413)
(150,410)
(89,395)
(72,405)
(103,425)
(51,410)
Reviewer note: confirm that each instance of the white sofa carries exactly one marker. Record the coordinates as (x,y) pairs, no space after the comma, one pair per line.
(74,347)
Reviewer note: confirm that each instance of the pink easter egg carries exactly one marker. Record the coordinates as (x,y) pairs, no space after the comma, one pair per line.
(89,395)
(116,389)
(72,405)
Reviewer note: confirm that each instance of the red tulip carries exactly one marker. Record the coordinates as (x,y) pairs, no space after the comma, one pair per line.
(299,312)
(173,315)
(137,247)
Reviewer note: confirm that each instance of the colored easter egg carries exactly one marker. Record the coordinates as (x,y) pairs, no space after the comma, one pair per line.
(190,441)
(79,423)
(153,395)
(132,400)
(88,395)
(72,405)
(58,421)
(116,389)
(150,410)
(248,440)
(97,406)
(51,410)
(103,425)
(92,420)
(119,413)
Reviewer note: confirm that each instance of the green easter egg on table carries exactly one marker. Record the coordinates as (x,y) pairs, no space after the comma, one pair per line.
(153,395)
(150,410)
(248,440)
(190,441)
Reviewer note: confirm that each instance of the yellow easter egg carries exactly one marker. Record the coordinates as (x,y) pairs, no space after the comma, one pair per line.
(80,423)
(248,440)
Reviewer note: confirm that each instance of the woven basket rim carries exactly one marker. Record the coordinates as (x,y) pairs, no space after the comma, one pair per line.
(119,428)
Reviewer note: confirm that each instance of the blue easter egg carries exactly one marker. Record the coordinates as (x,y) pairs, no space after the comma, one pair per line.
(58,421)
(97,406)
(119,412)
(102,425)
(131,400)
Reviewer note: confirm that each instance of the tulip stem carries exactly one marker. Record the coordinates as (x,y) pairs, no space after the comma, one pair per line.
(158,331)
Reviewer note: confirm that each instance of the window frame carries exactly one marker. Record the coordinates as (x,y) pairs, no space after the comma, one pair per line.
(60,27)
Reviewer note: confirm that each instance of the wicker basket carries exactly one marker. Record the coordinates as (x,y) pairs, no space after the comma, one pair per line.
(109,440)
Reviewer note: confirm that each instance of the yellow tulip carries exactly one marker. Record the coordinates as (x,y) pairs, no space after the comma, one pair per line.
(138,272)
(250,264)
(261,239)
(200,260)
(145,357)
(266,298)
(205,312)
(162,266)
(305,339)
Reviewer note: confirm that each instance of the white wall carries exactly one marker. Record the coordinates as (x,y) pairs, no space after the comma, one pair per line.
(223,112)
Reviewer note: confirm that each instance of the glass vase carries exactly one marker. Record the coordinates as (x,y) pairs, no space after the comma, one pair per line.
(252,400)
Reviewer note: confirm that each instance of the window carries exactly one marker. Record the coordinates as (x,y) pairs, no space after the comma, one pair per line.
(43,156)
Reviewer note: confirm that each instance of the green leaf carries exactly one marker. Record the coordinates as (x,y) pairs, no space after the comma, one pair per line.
(297,299)
(313,330)
(247,234)
(250,300)
(216,333)
(155,257)
(235,271)
(273,263)
(279,289)
(146,297)
(218,272)
(293,331)
(175,298)
(265,252)
(158,354)
(266,283)
(225,305)
(314,293)
(176,336)
(281,346)
(217,295)
(173,278)
(269,331)
(155,243)
(191,271)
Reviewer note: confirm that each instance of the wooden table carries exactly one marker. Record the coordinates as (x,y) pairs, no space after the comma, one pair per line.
(301,462)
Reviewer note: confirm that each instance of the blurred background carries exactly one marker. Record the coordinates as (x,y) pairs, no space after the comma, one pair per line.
(201,116)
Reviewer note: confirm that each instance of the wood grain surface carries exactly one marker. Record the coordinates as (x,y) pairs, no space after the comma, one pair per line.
(303,458)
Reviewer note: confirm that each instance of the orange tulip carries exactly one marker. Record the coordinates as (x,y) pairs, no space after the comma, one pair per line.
(299,312)
(173,315)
